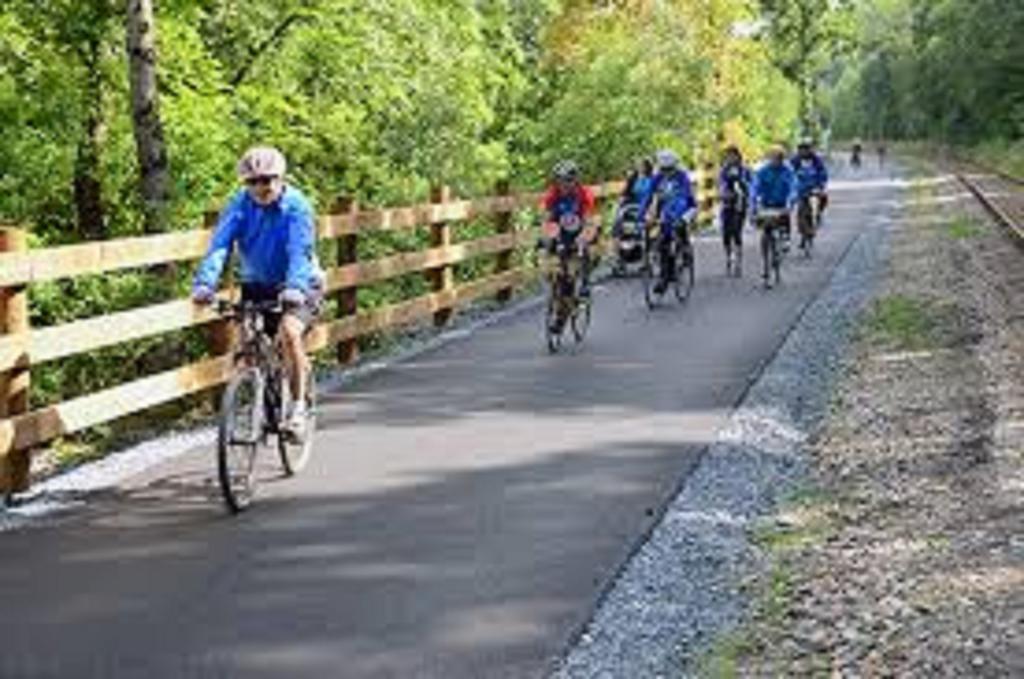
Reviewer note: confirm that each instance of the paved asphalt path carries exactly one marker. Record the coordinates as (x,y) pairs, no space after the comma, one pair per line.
(462,514)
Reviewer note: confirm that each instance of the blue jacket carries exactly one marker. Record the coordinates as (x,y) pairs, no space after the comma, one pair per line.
(774,187)
(734,186)
(641,187)
(675,197)
(275,243)
(811,174)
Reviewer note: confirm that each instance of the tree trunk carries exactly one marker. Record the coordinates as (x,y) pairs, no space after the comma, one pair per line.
(149,134)
(90,214)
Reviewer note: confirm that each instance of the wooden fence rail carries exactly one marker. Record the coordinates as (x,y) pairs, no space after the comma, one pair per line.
(22,347)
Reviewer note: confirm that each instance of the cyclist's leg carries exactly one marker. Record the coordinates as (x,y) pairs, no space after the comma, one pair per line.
(295,323)
(585,271)
(668,235)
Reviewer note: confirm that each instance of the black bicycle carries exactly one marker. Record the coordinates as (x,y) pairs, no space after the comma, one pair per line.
(254,405)
(566,307)
(772,224)
(668,263)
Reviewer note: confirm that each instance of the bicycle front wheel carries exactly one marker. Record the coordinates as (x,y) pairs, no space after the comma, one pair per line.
(651,271)
(238,438)
(296,451)
(685,272)
(553,322)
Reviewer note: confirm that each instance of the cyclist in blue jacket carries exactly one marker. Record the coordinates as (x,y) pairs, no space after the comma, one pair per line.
(775,189)
(675,210)
(811,173)
(774,185)
(272,225)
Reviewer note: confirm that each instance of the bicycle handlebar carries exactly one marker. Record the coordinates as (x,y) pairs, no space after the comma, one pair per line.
(229,308)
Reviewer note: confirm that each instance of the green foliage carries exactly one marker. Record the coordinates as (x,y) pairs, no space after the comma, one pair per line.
(378,100)
(947,70)
(904,322)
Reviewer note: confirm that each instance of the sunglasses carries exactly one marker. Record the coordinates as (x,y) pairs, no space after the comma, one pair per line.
(260,181)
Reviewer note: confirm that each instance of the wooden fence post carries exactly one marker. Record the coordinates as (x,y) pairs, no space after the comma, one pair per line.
(220,335)
(14,384)
(504,224)
(441,278)
(348,298)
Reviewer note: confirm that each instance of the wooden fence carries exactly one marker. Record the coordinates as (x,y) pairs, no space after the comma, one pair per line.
(22,347)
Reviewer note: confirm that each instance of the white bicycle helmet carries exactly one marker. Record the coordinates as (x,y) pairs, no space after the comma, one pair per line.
(262,161)
(566,171)
(667,159)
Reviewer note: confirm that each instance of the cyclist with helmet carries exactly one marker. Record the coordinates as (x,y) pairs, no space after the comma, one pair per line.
(811,174)
(675,209)
(734,182)
(774,188)
(271,223)
(568,209)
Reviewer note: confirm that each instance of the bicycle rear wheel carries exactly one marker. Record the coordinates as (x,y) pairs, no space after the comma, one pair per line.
(238,438)
(295,453)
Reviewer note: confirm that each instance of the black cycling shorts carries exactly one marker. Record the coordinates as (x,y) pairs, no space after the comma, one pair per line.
(257,292)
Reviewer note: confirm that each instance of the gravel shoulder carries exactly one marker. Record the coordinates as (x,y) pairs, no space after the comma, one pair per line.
(904,554)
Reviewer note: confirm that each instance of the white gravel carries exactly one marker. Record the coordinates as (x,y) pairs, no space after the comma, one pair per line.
(681,589)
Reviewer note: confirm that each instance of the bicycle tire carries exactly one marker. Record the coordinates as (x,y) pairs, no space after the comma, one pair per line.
(295,455)
(580,321)
(776,260)
(238,486)
(766,255)
(685,272)
(652,272)
(553,325)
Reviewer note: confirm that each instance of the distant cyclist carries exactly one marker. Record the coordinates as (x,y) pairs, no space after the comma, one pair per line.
(774,189)
(675,209)
(271,224)
(734,185)
(568,209)
(855,155)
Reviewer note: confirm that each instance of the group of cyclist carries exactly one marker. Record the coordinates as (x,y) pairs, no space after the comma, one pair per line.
(271,225)
(661,192)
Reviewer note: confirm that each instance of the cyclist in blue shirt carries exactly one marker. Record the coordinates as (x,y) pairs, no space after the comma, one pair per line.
(774,188)
(811,173)
(272,225)
(774,185)
(675,210)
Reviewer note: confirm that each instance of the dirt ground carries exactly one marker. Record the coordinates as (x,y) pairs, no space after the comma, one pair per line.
(904,555)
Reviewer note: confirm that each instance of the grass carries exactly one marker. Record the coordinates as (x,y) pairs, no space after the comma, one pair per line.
(906,322)
(723,660)
(964,228)
(1003,155)
(806,523)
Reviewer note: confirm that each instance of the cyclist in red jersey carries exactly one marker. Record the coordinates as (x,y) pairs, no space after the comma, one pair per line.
(568,210)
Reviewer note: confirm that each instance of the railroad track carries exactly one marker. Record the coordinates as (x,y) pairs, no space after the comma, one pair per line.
(1001,194)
